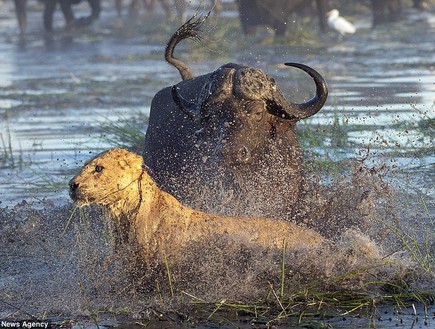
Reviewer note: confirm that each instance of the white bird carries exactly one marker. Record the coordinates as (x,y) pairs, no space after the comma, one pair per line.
(339,24)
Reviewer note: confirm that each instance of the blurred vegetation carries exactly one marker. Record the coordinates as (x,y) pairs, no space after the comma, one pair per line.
(125,132)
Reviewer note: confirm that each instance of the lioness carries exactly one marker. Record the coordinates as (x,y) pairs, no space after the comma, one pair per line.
(118,180)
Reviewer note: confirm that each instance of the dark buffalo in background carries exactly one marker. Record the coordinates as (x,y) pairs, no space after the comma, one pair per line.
(50,7)
(225,141)
(149,6)
(167,5)
(66,8)
(252,13)
(21,11)
(277,13)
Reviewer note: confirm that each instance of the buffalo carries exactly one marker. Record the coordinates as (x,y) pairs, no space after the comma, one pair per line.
(50,8)
(149,5)
(276,13)
(21,12)
(225,141)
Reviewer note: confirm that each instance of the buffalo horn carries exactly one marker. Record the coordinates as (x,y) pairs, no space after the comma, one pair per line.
(288,110)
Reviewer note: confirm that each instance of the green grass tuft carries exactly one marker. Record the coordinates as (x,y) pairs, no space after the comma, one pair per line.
(125,132)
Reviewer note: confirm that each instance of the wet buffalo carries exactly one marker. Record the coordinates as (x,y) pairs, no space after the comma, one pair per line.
(50,8)
(276,13)
(225,141)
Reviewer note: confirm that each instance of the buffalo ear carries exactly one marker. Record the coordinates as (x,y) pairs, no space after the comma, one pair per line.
(187,107)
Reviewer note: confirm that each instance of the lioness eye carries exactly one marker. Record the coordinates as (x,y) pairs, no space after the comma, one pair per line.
(99,168)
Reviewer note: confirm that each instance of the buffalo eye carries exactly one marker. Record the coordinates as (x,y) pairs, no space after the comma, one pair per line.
(99,168)
(255,110)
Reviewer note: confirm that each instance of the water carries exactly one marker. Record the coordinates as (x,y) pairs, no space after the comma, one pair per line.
(58,96)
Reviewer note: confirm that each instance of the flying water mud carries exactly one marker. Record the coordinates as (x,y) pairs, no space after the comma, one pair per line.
(377,208)
(65,262)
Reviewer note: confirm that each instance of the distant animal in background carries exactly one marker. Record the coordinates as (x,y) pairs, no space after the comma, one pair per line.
(277,13)
(167,5)
(150,5)
(49,9)
(339,24)
(21,12)
(66,8)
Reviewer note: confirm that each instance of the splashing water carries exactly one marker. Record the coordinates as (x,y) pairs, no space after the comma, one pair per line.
(54,264)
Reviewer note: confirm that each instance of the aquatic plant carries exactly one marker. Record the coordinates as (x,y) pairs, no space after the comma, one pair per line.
(125,132)
(326,145)
(8,157)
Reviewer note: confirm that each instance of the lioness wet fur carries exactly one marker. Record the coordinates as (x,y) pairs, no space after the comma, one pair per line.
(117,180)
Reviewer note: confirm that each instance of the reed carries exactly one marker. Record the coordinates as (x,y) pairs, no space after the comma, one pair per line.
(125,132)
(8,156)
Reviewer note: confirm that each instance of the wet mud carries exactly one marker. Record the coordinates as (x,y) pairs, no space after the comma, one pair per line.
(369,155)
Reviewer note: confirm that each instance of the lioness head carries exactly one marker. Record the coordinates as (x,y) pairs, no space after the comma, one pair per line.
(108,178)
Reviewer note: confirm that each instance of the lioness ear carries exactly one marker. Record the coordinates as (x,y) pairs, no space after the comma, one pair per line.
(123,164)
(131,162)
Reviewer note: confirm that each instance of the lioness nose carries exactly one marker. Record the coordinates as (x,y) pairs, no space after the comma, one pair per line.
(73,186)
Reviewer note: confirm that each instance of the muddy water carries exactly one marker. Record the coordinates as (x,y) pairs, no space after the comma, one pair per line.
(61,97)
